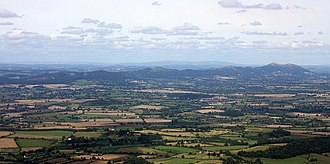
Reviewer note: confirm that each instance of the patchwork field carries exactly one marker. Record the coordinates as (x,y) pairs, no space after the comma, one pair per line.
(278,126)
(174,134)
(27,143)
(129,121)
(111,113)
(162,115)
(210,111)
(103,157)
(91,123)
(88,134)
(148,107)
(175,161)
(175,150)
(31,102)
(5,133)
(141,150)
(7,143)
(275,95)
(152,120)
(54,134)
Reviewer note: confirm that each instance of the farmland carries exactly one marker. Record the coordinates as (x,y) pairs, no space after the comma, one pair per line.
(7,143)
(41,134)
(162,117)
(25,143)
(5,133)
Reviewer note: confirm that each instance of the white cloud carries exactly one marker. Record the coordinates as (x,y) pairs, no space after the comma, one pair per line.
(90,20)
(186,26)
(255,23)
(6,23)
(241,11)
(156,3)
(205,38)
(265,33)
(20,40)
(182,32)
(122,38)
(312,44)
(202,29)
(299,33)
(97,31)
(298,7)
(240,5)
(273,6)
(223,23)
(231,4)
(185,29)
(148,30)
(72,30)
(68,38)
(110,25)
(158,39)
(4,13)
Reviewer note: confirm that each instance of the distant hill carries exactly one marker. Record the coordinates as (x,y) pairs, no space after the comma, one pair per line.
(182,65)
(283,68)
(273,71)
(267,70)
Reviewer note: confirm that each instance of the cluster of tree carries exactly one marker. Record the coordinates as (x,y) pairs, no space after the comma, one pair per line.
(311,108)
(202,129)
(81,142)
(275,134)
(232,113)
(231,160)
(295,148)
(228,142)
(135,160)
(154,139)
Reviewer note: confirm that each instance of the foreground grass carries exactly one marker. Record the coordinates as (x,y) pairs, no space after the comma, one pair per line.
(321,159)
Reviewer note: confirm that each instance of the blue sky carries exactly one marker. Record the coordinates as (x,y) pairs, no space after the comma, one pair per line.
(121,31)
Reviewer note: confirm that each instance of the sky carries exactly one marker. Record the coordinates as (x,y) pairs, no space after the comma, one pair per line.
(126,31)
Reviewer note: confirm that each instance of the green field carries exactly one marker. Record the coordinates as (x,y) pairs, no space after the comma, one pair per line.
(217,148)
(294,160)
(88,134)
(93,116)
(14,150)
(42,134)
(176,150)
(24,143)
(140,150)
(321,159)
(255,148)
(176,161)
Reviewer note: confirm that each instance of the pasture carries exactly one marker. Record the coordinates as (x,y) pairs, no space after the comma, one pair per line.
(27,143)
(47,134)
